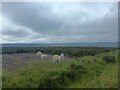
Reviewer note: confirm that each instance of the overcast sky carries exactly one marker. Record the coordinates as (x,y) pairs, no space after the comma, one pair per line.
(59,22)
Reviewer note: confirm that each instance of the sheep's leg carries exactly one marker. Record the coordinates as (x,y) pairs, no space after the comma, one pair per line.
(53,61)
(59,61)
(39,57)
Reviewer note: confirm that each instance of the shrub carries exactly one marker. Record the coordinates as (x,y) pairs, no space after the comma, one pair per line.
(73,73)
(49,83)
(109,59)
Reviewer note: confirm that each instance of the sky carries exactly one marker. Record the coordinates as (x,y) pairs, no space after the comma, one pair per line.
(63,22)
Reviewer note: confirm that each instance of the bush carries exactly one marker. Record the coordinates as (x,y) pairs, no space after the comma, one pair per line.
(109,59)
(73,73)
(68,51)
(49,83)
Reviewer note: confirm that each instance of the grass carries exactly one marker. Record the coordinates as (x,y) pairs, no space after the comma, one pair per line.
(37,74)
(108,78)
(0,78)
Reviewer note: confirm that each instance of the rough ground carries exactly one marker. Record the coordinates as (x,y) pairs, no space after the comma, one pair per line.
(12,62)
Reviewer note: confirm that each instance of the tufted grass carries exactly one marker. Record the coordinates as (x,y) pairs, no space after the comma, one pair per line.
(99,74)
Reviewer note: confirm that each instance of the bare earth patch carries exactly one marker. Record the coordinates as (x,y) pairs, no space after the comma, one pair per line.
(13,62)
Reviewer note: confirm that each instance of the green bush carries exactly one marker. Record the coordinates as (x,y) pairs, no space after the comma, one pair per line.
(75,71)
(65,78)
(109,59)
(69,51)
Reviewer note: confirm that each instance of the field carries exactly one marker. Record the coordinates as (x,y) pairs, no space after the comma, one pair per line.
(93,68)
(0,71)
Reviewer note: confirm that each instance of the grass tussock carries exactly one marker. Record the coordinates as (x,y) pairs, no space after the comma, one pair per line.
(70,73)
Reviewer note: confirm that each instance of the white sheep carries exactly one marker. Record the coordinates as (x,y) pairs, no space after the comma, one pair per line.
(58,58)
(41,55)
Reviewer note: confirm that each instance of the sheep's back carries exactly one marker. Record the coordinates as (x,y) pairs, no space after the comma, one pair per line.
(56,57)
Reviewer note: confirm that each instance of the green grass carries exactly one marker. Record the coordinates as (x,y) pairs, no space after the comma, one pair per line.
(0,77)
(107,79)
(99,74)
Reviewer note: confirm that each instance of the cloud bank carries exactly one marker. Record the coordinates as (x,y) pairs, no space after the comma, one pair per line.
(33,22)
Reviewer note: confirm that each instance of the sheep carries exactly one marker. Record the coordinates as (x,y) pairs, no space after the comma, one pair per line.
(41,55)
(62,56)
(58,58)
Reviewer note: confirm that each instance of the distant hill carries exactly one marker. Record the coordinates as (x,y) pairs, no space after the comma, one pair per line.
(80,44)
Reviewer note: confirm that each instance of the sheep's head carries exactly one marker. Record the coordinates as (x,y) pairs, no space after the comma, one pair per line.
(39,53)
(62,54)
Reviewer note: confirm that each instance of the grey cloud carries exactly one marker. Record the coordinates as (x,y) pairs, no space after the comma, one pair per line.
(16,34)
(33,15)
(49,27)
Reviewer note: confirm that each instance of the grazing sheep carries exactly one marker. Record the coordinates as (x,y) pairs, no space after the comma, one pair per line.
(58,58)
(41,55)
